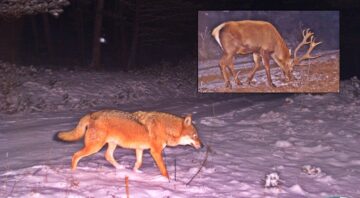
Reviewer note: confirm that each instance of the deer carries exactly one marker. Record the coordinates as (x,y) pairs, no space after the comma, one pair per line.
(263,40)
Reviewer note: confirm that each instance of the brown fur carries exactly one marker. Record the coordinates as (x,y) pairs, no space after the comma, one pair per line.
(137,131)
(168,130)
(258,37)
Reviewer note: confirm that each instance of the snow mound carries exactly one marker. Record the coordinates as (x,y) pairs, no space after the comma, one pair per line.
(283,144)
(297,189)
(214,122)
(41,89)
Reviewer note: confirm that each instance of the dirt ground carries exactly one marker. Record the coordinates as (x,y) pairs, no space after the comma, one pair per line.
(318,76)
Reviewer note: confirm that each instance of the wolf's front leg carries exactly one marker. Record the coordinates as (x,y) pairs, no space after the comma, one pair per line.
(156,154)
(138,163)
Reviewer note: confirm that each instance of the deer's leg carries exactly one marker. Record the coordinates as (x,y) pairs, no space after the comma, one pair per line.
(224,62)
(266,61)
(287,74)
(257,59)
(234,75)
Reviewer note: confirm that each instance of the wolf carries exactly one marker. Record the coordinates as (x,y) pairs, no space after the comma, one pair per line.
(137,131)
(168,130)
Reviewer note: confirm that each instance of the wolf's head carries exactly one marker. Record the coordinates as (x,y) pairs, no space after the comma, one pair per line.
(189,134)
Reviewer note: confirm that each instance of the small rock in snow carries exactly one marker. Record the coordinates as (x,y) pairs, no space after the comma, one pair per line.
(283,144)
(272,180)
(311,170)
(289,101)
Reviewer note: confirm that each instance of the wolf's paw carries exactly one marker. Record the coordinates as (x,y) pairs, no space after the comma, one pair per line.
(137,170)
(118,166)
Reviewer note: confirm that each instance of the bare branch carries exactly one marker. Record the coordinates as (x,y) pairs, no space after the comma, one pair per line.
(202,165)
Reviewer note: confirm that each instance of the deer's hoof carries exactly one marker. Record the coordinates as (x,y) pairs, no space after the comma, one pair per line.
(228,84)
(289,78)
(248,82)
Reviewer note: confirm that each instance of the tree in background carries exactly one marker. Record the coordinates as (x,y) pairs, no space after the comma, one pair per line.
(136,31)
(158,24)
(96,49)
(12,10)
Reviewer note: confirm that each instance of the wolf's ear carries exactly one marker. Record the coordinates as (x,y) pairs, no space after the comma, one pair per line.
(187,120)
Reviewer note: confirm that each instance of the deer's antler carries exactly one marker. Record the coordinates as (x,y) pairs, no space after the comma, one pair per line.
(306,35)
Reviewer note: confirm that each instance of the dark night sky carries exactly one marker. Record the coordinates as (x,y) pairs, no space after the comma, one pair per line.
(173,37)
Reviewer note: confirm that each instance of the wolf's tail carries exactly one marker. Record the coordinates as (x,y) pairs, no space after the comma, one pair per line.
(216,33)
(77,133)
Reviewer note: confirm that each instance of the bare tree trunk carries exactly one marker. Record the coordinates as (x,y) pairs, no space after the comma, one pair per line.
(135,37)
(124,46)
(16,30)
(35,33)
(80,34)
(96,53)
(48,36)
(121,40)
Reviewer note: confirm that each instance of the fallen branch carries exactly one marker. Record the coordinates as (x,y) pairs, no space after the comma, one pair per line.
(127,186)
(175,169)
(202,164)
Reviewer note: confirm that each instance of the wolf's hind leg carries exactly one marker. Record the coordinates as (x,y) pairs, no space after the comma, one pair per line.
(93,143)
(138,163)
(109,155)
(86,151)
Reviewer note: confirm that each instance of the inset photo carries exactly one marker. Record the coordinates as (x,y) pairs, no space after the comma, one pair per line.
(268,51)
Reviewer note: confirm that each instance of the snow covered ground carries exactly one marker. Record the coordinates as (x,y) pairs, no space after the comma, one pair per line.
(319,75)
(310,141)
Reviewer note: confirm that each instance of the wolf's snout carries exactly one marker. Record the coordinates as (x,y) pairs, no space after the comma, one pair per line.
(198,145)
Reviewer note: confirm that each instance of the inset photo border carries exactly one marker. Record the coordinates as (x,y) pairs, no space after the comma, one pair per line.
(268,51)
